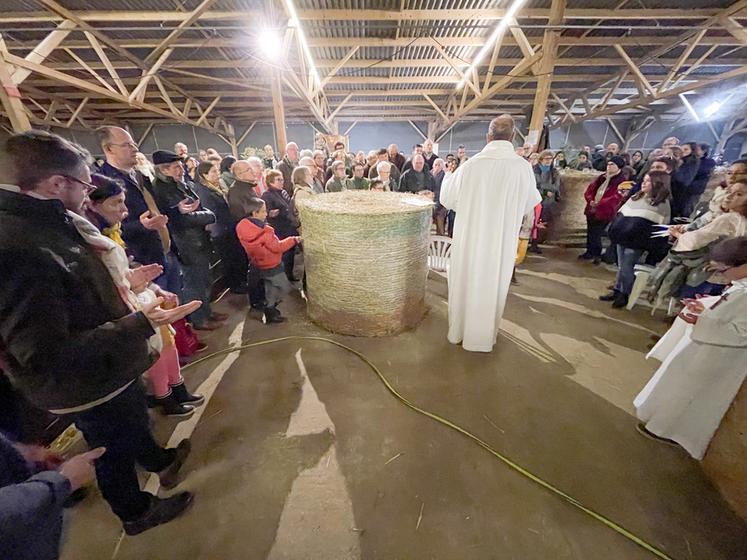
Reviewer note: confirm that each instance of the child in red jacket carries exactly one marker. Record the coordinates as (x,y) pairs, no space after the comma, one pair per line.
(265,251)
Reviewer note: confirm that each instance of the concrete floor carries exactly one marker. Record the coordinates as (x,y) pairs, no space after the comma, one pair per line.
(301,453)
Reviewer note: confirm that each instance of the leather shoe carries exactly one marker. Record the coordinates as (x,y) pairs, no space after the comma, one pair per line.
(170,475)
(161,510)
(215,316)
(610,296)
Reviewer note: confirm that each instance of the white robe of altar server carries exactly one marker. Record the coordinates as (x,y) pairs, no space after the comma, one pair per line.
(490,193)
(703,367)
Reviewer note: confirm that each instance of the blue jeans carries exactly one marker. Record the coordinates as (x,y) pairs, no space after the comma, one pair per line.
(627,258)
(197,286)
(171,279)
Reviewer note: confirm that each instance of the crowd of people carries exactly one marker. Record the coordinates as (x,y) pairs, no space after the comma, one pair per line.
(113,274)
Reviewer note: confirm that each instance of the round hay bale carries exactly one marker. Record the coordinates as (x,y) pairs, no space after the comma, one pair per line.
(366,255)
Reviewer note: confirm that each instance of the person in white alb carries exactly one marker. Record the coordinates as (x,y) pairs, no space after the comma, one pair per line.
(490,193)
(703,363)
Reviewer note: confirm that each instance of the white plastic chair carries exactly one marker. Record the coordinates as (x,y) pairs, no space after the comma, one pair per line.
(642,273)
(439,255)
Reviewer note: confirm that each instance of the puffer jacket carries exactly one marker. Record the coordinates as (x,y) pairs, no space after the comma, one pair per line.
(187,230)
(261,244)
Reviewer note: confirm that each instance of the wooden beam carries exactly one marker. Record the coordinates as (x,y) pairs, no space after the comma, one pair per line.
(348,129)
(616,130)
(682,59)
(436,107)
(466,79)
(734,28)
(10,97)
(44,49)
(337,67)
(645,84)
(167,98)
(546,69)
(148,75)
(83,64)
(278,112)
(245,133)
(77,111)
(339,107)
(694,66)
(207,110)
(105,60)
(420,132)
(189,19)
(454,41)
(494,59)
(171,16)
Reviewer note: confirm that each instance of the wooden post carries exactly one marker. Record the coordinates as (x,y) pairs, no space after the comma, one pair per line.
(279,112)
(10,97)
(546,67)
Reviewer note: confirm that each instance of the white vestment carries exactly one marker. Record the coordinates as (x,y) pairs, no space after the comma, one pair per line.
(703,367)
(490,193)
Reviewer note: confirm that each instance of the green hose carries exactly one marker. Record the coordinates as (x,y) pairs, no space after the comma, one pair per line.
(441,420)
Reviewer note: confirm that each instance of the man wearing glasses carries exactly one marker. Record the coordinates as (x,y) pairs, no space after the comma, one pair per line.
(144,230)
(68,341)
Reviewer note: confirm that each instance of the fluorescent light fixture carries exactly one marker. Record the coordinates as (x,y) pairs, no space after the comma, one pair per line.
(689,107)
(497,32)
(291,9)
(712,109)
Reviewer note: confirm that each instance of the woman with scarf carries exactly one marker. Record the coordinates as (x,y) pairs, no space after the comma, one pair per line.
(227,178)
(548,184)
(602,201)
(105,210)
(212,194)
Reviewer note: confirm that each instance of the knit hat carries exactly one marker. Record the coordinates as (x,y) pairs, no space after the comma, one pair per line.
(619,161)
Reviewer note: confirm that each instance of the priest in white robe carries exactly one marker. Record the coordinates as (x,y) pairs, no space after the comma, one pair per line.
(703,363)
(490,193)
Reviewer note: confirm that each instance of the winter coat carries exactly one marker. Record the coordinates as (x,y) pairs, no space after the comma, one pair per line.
(700,182)
(187,230)
(398,161)
(547,182)
(682,179)
(408,165)
(216,203)
(337,185)
(633,225)
(143,244)
(238,196)
(676,270)
(261,244)
(283,222)
(66,336)
(607,207)
(361,184)
(409,181)
(286,167)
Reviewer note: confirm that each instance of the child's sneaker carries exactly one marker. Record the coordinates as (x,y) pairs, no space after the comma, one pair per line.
(272,315)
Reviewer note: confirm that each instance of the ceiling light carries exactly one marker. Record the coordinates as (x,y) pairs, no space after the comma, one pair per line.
(712,109)
(268,43)
(497,32)
(293,21)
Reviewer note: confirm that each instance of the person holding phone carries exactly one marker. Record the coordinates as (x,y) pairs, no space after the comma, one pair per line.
(188,224)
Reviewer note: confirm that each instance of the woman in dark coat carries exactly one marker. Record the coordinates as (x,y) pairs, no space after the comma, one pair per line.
(280,215)
(683,178)
(223,232)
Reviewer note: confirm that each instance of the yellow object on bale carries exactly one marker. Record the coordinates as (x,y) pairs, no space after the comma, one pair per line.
(366,257)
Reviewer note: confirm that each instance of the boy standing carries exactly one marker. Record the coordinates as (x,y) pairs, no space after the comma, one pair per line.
(265,251)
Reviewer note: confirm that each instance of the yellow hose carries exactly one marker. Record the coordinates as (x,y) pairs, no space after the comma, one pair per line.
(441,420)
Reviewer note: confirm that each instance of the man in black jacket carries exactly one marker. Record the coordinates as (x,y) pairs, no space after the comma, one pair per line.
(144,229)
(187,224)
(417,178)
(67,339)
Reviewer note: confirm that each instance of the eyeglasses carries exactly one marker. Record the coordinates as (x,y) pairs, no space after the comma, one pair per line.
(89,186)
(126,144)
